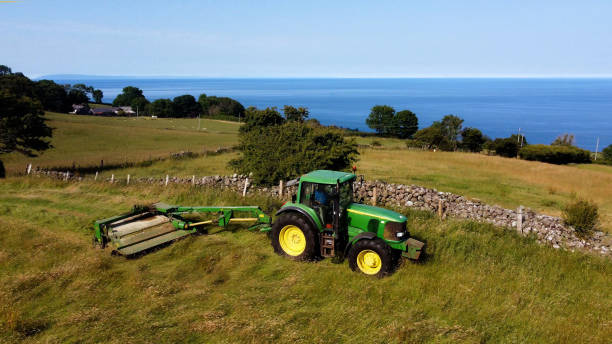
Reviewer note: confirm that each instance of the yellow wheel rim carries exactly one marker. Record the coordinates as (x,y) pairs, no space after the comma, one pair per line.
(292,240)
(369,262)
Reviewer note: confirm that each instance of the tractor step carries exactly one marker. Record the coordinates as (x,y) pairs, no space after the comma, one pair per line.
(327,245)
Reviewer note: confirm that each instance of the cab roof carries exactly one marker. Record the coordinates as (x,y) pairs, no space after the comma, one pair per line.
(327,177)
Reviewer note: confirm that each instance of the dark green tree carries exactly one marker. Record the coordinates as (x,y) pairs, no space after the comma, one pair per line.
(131,96)
(433,137)
(77,97)
(472,139)
(507,147)
(5,70)
(161,108)
(451,128)
(381,119)
(607,153)
(97,95)
(299,114)
(52,96)
(22,125)
(215,106)
(288,150)
(255,118)
(186,106)
(405,124)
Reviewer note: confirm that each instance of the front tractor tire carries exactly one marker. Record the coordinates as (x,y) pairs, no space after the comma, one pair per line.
(294,237)
(371,257)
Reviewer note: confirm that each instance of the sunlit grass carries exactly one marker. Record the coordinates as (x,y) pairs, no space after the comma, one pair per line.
(87,140)
(478,283)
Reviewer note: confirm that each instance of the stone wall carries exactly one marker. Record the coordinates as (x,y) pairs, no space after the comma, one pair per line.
(546,229)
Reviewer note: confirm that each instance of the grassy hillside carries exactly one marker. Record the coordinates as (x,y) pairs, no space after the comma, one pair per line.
(478,284)
(506,182)
(85,140)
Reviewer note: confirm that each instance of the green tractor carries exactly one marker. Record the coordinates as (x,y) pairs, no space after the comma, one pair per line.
(323,221)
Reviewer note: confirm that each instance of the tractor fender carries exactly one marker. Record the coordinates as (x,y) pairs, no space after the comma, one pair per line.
(360,236)
(301,211)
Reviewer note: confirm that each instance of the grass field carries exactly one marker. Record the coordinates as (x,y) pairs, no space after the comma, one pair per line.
(478,283)
(506,182)
(86,140)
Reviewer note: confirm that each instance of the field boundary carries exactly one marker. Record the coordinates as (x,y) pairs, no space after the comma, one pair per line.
(545,229)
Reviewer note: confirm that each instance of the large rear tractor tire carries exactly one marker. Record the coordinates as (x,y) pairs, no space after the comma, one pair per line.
(294,237)
(371,257)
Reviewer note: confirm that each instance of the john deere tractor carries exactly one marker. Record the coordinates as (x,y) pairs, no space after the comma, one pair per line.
(323,221)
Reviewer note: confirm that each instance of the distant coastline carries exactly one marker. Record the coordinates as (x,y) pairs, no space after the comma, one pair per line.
(542,107)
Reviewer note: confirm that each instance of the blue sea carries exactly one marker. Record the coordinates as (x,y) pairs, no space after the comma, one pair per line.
(541,108)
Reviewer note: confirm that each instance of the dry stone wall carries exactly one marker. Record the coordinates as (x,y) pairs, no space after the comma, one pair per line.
(546,229)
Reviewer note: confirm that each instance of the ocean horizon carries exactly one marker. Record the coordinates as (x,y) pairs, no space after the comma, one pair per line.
(543,108)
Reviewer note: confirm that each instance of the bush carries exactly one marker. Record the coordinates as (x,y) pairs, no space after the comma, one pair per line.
(376,143)
(581,214)
(507,147)
(289,150)
(555,154)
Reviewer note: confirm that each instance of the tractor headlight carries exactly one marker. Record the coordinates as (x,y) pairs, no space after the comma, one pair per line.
(395,231)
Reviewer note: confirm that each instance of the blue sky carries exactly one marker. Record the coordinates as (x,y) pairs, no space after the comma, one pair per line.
(432,38)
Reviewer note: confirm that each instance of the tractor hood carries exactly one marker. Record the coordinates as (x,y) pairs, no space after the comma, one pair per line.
(356,210)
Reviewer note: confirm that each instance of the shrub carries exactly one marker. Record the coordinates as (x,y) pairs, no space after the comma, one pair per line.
(581,214)
(607,153)
(376,143)
(507,147)
(288,150)
(555,154)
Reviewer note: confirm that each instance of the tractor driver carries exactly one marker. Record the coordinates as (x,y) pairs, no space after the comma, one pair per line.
(322,201)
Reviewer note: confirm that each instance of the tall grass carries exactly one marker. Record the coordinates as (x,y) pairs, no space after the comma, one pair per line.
(478,283)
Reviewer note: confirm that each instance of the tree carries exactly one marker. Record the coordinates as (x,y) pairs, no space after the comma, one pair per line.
(381,119)
(405,124)
(255,118)
(4,70)
(161,108)
(295,114)
(607,153)
(139,104)
(22,125)
(472,139)
(451,128)
(97,95)
(284,151)
(128,97)
(215,106)
(507,147)
(52,96)
(433,137)
(77,97)
(564,140)
(186,105)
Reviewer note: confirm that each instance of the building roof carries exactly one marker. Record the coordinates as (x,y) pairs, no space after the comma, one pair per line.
(327,177)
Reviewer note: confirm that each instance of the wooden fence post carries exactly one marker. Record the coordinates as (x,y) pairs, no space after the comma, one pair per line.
(167,179)
(440,208)
(374,195)
(29,169)
(112,178)
(246,184)
(193,179)
(280,189)
(66,176)
(128,180)
(96,177)
(519,219)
